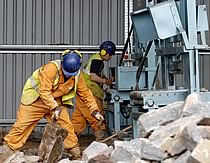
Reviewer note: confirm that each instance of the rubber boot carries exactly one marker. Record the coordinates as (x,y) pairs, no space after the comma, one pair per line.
(99,134)
(76,153)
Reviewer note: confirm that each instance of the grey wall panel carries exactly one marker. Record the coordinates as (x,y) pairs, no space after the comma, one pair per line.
(1,85)
(1,21)
(84,22)
(95,21)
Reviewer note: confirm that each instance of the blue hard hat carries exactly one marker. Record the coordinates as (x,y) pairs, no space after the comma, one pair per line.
(109,46)
(70,64)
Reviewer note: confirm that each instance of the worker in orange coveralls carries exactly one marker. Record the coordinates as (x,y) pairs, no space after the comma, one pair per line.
(47,93)
(94,78)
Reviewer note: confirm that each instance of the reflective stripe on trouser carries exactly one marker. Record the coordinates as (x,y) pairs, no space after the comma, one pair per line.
(82,115)
(28,117)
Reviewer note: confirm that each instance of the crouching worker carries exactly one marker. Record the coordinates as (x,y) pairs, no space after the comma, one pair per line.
(94,78)
(47,93)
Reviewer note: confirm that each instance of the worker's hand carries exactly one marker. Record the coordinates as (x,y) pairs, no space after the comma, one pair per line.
(56,114)
(97,115)
(108,81)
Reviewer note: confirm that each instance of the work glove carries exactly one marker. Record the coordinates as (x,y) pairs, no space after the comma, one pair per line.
(56,114)
(97,115)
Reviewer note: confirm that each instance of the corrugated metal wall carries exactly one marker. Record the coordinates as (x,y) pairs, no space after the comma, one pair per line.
(83,22)
(49,22)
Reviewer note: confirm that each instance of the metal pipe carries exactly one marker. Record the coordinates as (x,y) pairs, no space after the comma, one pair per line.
(197,77)
(51,48)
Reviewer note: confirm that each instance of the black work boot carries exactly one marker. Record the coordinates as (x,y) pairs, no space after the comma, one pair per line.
(99,134)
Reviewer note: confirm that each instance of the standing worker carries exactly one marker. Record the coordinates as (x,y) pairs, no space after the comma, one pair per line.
(47,93)
(94,78)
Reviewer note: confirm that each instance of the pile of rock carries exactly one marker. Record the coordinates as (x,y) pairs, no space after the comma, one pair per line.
(177,133)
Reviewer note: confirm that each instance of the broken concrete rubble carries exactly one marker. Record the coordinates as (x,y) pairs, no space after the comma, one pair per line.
(121,154)
(204,131)
(96,148)
(170,129)
(177,138)
(185,139)
(100,159)
(201,153)
(183,158)
(151,120)
(149,151)
(19,157)
(201,109)
(69,161)
(191,100)
(51,147)
(6,153)
(137,148)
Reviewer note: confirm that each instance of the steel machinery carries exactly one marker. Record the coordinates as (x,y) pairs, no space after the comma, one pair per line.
(163,66)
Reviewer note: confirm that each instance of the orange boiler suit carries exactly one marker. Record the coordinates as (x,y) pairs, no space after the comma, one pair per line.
(49,98)
(81,116)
